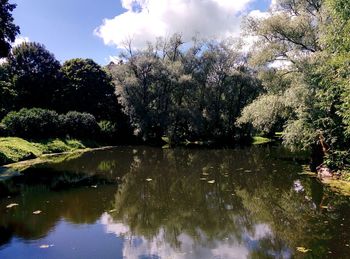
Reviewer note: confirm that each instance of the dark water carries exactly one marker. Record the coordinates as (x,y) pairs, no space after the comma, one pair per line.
(151,203)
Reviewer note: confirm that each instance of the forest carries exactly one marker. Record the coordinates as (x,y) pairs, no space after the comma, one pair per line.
(292,80)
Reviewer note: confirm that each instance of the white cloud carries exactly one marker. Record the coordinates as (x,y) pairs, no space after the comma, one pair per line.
(19,40)
(144,20)
(188,247)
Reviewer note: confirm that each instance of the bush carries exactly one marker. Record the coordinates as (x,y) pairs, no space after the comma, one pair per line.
(32,123)
(108,130)
(39,123)
(3,132)
(80,125)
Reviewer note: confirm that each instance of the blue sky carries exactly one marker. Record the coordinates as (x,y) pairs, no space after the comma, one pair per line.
(66,27)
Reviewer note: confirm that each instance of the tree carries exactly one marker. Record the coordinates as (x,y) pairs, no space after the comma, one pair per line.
(185,95)
(88,88)
(7,94)
(8,30)
(311,38)
(34,73)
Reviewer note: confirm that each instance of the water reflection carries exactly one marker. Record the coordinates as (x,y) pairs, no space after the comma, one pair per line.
(177,203)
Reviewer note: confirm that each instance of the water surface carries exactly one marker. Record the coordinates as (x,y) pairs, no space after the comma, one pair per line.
(142,202)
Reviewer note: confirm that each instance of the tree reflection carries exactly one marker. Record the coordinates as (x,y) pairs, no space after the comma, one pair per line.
(243,200)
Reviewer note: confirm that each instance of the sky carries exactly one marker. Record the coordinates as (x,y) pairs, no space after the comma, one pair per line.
(97,28)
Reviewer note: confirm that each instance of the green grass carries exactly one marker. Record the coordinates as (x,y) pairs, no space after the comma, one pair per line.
(257,140)
(14,149)
(339,186)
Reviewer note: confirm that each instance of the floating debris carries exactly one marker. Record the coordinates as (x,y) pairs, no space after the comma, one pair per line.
(149,179)
(303,249)
(36,212)
(211,181)
(12,205)
(114,210)
(45,246)
(93,186)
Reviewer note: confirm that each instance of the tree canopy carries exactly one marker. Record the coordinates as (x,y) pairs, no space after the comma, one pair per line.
(35,75)
(8,30)
(88,88)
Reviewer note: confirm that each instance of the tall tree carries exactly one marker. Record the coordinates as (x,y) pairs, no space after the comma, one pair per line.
(8,30)
(185,94)
(35,75)
(88,88)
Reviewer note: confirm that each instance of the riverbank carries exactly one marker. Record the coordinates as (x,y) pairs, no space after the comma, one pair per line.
(13,149)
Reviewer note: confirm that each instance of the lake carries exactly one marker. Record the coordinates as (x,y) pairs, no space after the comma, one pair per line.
(144,202)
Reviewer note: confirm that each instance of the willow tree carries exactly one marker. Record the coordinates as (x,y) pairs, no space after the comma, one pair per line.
(185,93)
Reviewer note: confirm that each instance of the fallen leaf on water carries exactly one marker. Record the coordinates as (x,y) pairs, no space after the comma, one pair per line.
(45,246)
(211,181)
(11,205)
(36,212)
(303,249)
(148,179)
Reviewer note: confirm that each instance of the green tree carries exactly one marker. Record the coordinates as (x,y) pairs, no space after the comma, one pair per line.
(34,73)
(185,94)
(8,30)
(7,94)
(88,88)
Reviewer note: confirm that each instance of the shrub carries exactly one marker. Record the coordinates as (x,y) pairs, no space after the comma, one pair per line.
(32,123)
(39,123)
(108,130)
(79,125)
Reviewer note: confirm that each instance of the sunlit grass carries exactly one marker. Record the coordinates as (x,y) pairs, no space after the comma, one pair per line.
(14,149)
(258,140)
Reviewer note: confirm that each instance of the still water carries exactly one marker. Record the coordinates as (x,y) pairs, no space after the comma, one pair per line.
(142,202)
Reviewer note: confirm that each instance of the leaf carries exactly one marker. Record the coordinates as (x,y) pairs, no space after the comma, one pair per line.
(211,181)
(12,205)
(303,249)
(36,212)
(149,179)
(45,246)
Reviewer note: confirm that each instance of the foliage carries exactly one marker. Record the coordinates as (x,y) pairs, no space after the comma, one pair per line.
(193,94)
(309,102)
(108,130)
(8,30)
(34,75)
(39,123)
(32,123)
(88,88)
(79,125)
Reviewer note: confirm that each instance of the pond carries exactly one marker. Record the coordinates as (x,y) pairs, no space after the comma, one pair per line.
(143,202)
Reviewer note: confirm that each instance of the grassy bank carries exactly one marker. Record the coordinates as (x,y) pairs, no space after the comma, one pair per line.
(14,149)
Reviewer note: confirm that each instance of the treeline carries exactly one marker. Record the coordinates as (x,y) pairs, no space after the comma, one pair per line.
(294,79)
(31,77)
(186,93)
